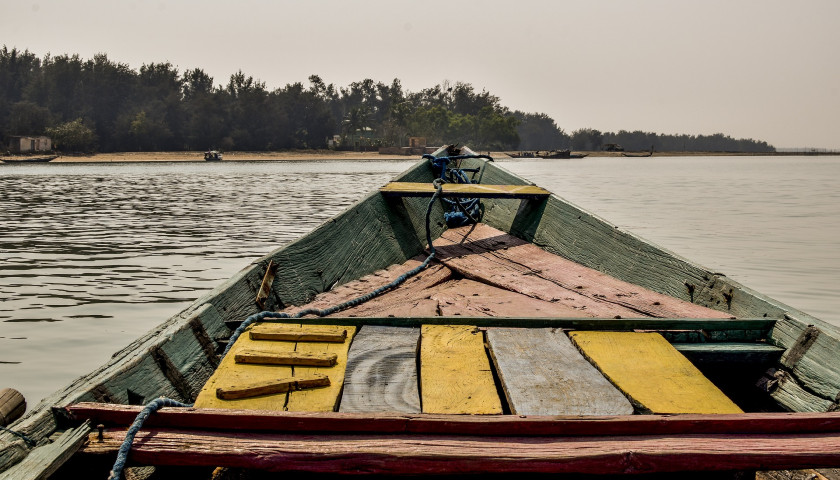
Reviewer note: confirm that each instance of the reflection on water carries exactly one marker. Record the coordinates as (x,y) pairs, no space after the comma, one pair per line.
(94,255)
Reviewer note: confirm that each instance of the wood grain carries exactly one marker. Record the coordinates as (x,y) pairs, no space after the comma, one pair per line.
(461,190)
(654,375)
(415,455)
(476,425)
(293,333)
(455,375)
(286,358)
(495,257)
(542,373)
(270,387)
(321,399)
(382,371)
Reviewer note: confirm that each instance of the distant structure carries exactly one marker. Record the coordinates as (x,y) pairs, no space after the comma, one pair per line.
(613,147)
(21,144)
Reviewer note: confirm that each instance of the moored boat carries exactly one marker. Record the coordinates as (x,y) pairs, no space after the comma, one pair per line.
(536,321)
(213,156)
(29,159)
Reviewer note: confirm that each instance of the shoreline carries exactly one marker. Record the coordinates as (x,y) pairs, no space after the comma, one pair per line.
(304,155)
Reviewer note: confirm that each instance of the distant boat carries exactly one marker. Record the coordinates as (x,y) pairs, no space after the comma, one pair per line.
(563,154)
(213,156)
(637,155)
(29,159)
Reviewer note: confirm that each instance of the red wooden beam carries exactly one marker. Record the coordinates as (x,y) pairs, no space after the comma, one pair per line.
(477,425)
(424,454)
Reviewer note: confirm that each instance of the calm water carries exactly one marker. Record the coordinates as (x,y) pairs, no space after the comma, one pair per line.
(94,255)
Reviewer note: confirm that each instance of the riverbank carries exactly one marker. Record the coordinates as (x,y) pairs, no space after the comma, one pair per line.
(309,155)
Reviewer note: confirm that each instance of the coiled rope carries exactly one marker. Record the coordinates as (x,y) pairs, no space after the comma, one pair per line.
(122,454)
(157,404)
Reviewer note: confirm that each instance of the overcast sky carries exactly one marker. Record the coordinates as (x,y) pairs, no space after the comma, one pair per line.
(767,70)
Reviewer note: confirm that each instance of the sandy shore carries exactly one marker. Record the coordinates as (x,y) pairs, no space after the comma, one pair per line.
(301,155)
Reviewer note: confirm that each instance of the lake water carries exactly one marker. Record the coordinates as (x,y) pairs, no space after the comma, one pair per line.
(94,255)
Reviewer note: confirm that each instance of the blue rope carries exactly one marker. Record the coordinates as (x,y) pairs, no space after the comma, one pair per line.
(461,211)
(122,454)
(155,405)
(257,317)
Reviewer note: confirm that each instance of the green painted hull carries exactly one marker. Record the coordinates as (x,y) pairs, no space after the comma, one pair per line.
(178,356)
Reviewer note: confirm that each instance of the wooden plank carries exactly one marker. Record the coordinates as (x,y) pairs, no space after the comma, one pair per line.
(321,399)
(270,387)
(318,399)
(727,352)
(265,286)
(382,371)
(401,454)
(45,460)
(286,358)
(463,190)
(482,425)
(652,373)
(708,325)
(455,375)
(293,333)
(542,373)
(491,256)
(230,373)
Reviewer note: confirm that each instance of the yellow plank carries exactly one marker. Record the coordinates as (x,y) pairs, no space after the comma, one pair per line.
(652,373)
(455,375)
(231,373)
(321,399)
(470,190)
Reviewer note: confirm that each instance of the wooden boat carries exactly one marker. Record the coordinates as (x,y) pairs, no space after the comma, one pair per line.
(28,159)
(637,154)
(213,156)
(561,154)
(541,340)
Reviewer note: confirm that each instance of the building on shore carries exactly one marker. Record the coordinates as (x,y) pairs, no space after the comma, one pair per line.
(25,144)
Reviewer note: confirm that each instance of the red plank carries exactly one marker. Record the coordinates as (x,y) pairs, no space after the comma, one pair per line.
(424,454)
(255,420)
(488,255)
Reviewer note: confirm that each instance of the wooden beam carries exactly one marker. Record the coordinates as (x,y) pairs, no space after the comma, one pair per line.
(265,286)
(455,374)
(654,375)
(484,425)
(381,373)
(727,352)
(45,460)
(463,190)
(286,358)
(290,331)
(402,454)
(582,323)
(542,373)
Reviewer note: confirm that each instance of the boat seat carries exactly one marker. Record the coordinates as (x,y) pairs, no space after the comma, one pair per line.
(464,190)
(652,373)
(291,376)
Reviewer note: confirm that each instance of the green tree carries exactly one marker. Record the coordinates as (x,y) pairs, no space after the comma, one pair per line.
(73,136)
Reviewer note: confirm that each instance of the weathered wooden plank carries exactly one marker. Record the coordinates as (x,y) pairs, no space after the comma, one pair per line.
(265,286)
(286,358)
(455,375)
(482,425)
(241,390)
(708,325)
(321,399)
(45,460)
(381,374)
(784,389)
(811,355)
(727,352)
(542,373)
(463,190)
(294,333)
(410,299)
(654,375)
(492,256)
(230,373)
(414,455)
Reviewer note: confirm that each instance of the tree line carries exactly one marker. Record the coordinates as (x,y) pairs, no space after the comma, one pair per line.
(100,104)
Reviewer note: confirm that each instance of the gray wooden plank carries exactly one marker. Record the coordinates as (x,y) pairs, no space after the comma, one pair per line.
(381,374)
(44,460)
(542,373)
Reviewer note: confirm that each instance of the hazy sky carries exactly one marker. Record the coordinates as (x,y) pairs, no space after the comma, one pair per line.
(767,70)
